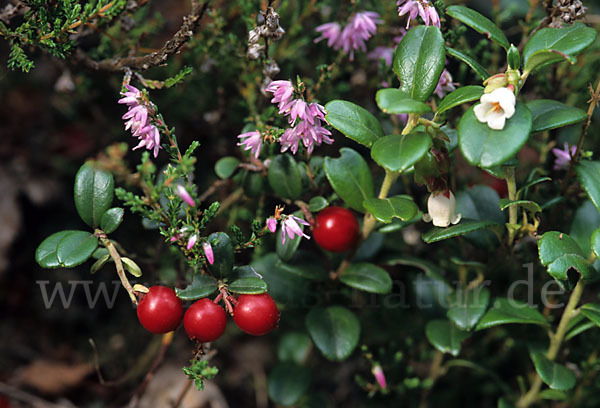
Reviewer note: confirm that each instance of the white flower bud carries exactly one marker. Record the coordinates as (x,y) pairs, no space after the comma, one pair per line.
(442,209)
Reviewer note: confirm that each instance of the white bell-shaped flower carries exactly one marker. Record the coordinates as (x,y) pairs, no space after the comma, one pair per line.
(442,209)
(496,107)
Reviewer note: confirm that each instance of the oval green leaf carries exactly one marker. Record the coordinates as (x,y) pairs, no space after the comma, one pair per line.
(248,286)
(419,61)
(368,277)
(354,121)
(479,23)
(485,147)
(510,311)
(444,336)
(111,219)
(588,173)
(565,41)
(284,177)
(226,166)
(458,97)
(99,263)
(317,203)
(439,234)
(394,101)
(94,192)
(288,383)
(350,177)
(75,248)
(294,347)
(400,152)
(467,307)
(132,267)
(585,222)
(555,244)
(223,253)
(45,254)
(548,114)
(334,330)
(556,376)
(201,287)
(470,61)
(385,209)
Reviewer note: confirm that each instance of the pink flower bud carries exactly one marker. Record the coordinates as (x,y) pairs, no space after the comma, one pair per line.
(207,248)
(379,375)
(184,195)
(272,224)
(192,241)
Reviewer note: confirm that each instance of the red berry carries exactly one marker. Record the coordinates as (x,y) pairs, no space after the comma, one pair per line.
(160,310)
(256,314)
(336,229)
(205,321)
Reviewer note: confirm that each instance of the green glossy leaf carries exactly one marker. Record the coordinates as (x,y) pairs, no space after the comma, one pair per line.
(510,311)
(223,253)
(45,254)
(592,312)
(479,23)
(285,286)
(201,287)
(94,192)
(302,265)
(394,101)
(400,152)
(480,203)
(444,336)
(368,277)
(470,61)
(439,234)
(485,147)
(384,209)
(226,166)
(549,114)
(334,330)
(132,267)
(76,248)
(111,219)
(586,220)
(288,383)
(560,267)
(100,263)
(317,203)
(555,244)
(350,178)
(430,269)
(588,173)
(554,395)
(354,121)
(284,177)
(294,347)
(595,242)
(556,376)
(556,44)
(530,184)
(458,97)
(530,206)
(467,307)
(419,61)
(248,286)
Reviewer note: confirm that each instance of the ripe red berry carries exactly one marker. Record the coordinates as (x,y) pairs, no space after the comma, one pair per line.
(160,310)
(205,321)
(256,314)
(336,229)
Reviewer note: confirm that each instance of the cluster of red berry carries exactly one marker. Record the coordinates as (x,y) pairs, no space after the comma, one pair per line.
(160,311)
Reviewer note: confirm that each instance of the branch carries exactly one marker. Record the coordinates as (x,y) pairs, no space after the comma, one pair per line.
(144,62)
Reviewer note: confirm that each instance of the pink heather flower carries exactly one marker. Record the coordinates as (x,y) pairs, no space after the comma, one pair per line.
(176,237)
(445,84)
(184,195)
(379,375)
(191,241)
(298,109)
(138,120)
(290,227)
(421,8)
(272,224)
(309,131)
(208,252)
(131,98)
(360,28)
(330,32)
(283,93)
(251,141)
(563,157)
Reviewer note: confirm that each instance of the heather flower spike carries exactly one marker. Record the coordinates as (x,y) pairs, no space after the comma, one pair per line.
(353,36)
(208,252)
(191,241)
(442,209)
(563,157)
(421,8)
(251,141)
(291,228)
(137,120)
(184,195)
(377,372)
(496,107)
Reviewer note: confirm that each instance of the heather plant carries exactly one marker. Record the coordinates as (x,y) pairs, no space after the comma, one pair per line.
(408,198)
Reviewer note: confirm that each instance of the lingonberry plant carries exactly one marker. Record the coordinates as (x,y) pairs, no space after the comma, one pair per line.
(357,124)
